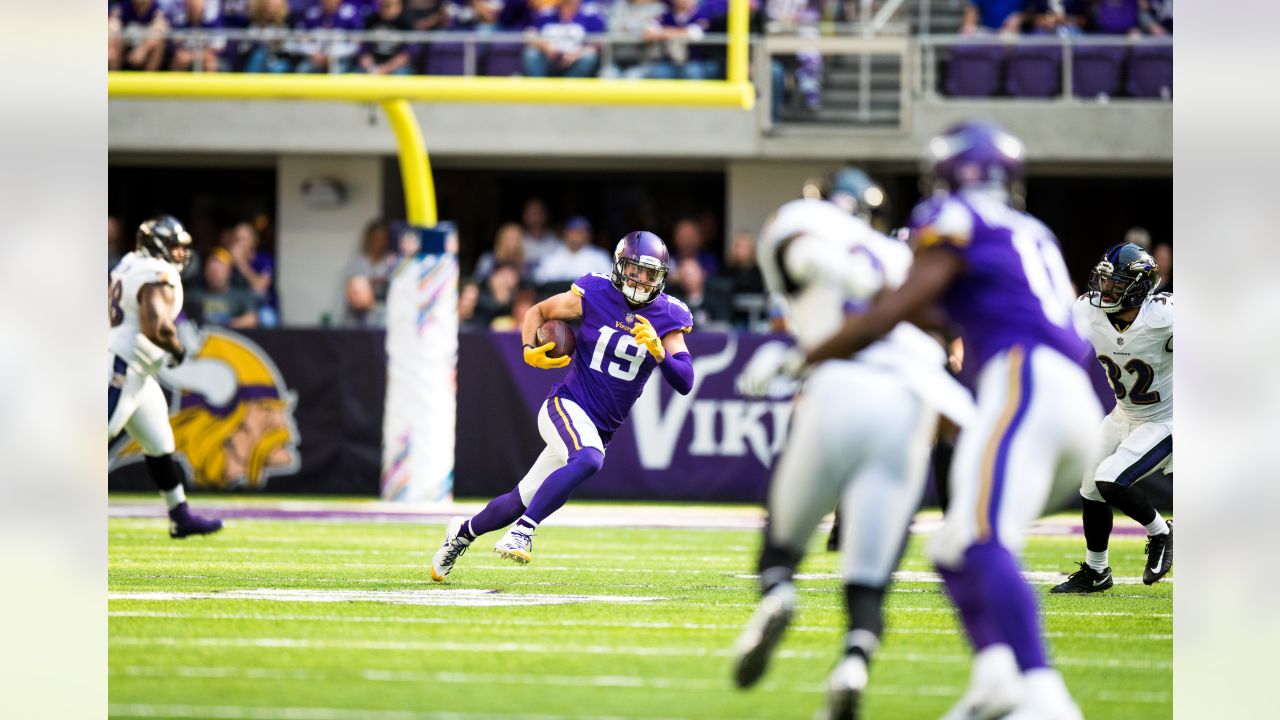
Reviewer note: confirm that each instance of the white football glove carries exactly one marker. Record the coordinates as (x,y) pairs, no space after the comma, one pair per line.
(771,360)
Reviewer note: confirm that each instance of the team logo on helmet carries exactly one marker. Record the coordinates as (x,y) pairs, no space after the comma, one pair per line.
(232,415)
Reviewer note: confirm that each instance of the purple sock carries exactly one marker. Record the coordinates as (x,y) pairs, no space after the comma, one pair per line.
(1009,601)
(963,588)
(559,485)
(499,513)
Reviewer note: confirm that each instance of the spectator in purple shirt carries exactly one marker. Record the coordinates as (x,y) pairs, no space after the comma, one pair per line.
(387,57)
(686,20)
(333,56)
(988,16)
(147,53)
(196,15)
(1116,17)
(557,45)
(273,56)
(688,241)
(234,15)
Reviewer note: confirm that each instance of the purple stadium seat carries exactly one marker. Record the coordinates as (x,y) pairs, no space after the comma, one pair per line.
(1151,72)
(1034,71)
(975,70)
(1095,70)
(504,60)
(447,58)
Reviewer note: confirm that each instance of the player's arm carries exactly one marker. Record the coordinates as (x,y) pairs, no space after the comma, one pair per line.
(155,317)
(565,306)
(933,271)
(807,259)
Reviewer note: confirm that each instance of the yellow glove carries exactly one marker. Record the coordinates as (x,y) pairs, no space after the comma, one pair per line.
(537,357)
(648,338)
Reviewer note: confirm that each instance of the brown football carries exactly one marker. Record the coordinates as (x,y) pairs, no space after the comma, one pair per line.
(558,332)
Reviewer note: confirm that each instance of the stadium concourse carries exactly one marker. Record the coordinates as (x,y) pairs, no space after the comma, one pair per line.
(323,609)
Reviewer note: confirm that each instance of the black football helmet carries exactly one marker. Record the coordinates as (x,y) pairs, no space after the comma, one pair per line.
(163,237)
(1124,277)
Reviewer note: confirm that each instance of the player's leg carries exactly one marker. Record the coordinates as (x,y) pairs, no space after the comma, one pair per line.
(805,485)
(879,503)
(1146,450)
(1094,574)
(561,421)
(149,427)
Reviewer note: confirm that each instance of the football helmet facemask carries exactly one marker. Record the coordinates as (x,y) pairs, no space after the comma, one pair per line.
(640,264)
(165,238)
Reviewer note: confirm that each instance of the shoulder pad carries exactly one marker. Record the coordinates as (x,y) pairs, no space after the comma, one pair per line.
(1159,310)
(679,313)
(941,222)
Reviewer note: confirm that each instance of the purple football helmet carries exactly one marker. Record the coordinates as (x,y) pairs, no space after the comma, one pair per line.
(640,264)
(976,154)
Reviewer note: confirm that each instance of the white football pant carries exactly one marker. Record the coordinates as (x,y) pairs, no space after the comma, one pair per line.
(136,404)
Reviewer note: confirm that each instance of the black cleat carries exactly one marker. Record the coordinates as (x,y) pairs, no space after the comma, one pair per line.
(184,523)
(844,689)
(1085,580)
(1159,557)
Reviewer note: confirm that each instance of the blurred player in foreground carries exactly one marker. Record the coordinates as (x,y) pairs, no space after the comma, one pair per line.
(861,432)
(144,298)
(1131,329)
(617,349)
(999,275)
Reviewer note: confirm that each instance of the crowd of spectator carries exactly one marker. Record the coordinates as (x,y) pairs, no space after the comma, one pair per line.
(1069,17)
(557,41)
(529,261)
(230,283)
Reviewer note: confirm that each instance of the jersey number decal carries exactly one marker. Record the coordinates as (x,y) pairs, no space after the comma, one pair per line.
(1046,274)
(626,350)
(1141,393)
(115,312)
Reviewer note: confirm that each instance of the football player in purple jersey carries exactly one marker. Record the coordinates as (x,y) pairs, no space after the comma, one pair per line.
(997,273)
(629,326)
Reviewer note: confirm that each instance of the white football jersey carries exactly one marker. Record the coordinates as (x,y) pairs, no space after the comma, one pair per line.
(835,264)
(125,337)
(1138,360)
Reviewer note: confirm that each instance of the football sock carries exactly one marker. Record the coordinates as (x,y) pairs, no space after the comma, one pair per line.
(777,564)
(526,525)
(561,483)
(1098,519)
(1097,560)
(678,371)
(1131,501)
(863,605)
(164,473)
(1009,601)
(499,513)
(966,595)
(1157,526)
(940,461)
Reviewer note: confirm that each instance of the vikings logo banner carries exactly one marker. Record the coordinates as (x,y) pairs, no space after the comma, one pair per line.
(232,415)
(419,421)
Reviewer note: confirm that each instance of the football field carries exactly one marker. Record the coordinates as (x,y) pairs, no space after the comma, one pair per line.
(320,615)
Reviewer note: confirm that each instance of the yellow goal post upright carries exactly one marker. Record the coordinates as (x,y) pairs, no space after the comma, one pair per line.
(394,93)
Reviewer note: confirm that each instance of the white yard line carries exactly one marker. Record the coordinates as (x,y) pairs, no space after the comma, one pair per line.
(565,649)
(243,712)
(474,598)
(354,619)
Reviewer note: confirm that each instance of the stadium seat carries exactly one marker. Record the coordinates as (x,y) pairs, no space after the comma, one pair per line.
(975,70)
(1095,70)
(1034,71)
(504,60)
(1151,72)
(448,58)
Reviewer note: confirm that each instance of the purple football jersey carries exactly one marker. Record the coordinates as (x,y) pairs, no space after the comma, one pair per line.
(1014,290)
(609,369)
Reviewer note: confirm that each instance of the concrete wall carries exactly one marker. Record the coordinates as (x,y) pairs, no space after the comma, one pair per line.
(315,245)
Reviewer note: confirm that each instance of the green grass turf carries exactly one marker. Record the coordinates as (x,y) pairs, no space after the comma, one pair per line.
(251,658)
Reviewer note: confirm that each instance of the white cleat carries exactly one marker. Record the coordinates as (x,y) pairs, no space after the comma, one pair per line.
(1047,698)
(450,551)
(762,633)
(516,546)
(995,686)
(844,689)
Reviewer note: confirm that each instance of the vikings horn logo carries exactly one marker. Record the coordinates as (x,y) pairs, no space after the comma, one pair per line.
(232,415)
